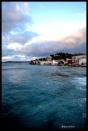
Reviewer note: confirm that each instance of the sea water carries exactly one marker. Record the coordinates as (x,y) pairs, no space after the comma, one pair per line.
(49,97)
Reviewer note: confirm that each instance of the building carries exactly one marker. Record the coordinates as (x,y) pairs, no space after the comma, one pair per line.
(49,58)
(46,63)
(42,62)
(79,60)
(61,62)
(54,62)
(68,61)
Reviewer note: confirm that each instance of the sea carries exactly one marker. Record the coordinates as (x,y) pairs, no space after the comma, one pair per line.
(43,97)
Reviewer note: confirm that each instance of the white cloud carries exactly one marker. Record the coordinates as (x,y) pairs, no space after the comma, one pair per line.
(5,58)
(14,58)
(15,46)
(57,31)
(18,58)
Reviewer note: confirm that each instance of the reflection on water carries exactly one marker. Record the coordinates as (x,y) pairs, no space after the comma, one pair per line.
(44,96)
(80,80)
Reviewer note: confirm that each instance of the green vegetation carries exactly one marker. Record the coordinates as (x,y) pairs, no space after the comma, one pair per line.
(61,56)
(42,59)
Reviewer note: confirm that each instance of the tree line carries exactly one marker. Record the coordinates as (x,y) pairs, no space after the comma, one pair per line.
(60,55)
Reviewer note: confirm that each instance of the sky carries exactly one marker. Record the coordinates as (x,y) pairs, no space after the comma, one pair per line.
(32,30)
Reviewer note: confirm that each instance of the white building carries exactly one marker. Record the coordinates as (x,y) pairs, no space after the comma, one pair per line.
(54,62)
(82,61)
(79,59)
(45,62)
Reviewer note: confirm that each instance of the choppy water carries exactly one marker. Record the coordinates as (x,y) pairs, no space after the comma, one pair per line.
(44,96)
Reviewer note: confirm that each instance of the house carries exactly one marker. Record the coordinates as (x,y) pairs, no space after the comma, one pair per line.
(61,62)
(54,62)
(68,61)
(45,63)
(79,59)
(33,62)
(42,62)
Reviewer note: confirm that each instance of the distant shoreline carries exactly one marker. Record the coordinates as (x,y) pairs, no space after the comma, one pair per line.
(15,62)
(43,65)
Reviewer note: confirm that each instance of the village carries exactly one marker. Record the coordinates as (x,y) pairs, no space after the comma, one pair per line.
(69,60)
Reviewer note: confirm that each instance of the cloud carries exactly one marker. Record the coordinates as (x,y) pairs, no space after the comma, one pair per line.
(17,58)
(15,19)
(19,43)
(73,43)
(22,37)
(15,46)
(77,40)
(14,58)
(14,15)
(59,29)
